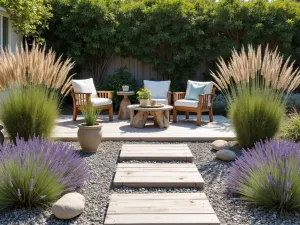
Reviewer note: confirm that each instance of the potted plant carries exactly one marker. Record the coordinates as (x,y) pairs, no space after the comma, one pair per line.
(144,96)
(125,87)
(90,132)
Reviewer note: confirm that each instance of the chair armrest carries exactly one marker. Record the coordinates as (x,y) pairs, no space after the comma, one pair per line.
(178,95)
(204,99)
(80,99)
(105,94)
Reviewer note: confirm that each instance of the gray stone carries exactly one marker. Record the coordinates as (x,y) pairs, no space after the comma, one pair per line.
(225,155)
(219,144)
(69,206)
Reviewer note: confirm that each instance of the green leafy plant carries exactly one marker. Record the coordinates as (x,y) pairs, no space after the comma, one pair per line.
(90,114)
(220,105)
(144,93)
(254,85)
(290,128)
(30,110)
(29,18)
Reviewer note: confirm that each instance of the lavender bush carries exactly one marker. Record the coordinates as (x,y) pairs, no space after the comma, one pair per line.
(269,175)
(37,172)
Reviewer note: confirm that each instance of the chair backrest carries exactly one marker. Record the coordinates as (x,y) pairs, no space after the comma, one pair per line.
(158,89)
(84,86)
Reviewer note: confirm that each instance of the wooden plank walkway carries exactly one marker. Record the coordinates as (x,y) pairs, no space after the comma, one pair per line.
(156,152)
(160,209)
(158,175)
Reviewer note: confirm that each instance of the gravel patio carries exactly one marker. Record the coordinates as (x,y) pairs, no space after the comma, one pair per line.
(102,165)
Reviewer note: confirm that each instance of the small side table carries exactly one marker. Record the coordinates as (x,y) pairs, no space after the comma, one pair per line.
(124,113)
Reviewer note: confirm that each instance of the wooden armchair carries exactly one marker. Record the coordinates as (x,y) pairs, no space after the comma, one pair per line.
(103,102)
(204,104)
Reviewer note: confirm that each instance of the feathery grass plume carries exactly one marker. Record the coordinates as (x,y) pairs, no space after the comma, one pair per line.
(268,175)
(34,65)
(255,85)
(35,173)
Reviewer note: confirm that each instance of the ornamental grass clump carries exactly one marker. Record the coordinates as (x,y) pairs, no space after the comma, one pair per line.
(268,175)
(256,86)
(37,172)
(290,128)
(90,114)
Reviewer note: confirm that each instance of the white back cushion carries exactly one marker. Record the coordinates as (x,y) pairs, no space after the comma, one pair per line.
(207,90)
(85,86)
(158,89)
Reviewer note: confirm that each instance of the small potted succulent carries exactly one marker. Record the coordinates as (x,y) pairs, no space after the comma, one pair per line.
(144,96)
(90,132)
(125,87)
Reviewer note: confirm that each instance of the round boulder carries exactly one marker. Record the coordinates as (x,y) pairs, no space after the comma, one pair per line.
(68,206)
(225,155)
(219,144)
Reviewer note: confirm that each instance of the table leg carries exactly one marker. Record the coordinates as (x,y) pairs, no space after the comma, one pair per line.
(140,119)
(124,112)
(161,118)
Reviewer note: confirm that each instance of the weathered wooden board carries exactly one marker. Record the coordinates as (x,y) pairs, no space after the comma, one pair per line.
(163,208)
(157,175)
(156,152)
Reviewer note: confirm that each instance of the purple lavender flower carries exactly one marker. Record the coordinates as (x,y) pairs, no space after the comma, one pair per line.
(268,174)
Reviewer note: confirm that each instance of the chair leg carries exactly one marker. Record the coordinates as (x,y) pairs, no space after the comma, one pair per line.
(75,112)
(111,114)
(187,115)
(211,115)
(174,116)
(199,118)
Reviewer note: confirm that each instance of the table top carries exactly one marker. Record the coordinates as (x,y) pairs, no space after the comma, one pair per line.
(125,93)
(139,108)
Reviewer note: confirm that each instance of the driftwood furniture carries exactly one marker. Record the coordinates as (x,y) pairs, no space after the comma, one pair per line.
(124,113)
(159,90)
(84,92)
(204,104)
(139,116)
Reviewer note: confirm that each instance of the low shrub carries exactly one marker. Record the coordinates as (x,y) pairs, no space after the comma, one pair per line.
(290,128)
(293,102)
(268,175)
(220,105)
(37,172)
(256,115)
(30,110)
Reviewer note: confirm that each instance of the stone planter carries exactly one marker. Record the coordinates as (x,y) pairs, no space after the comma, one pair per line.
(89,137)
(125,88)
(145,102)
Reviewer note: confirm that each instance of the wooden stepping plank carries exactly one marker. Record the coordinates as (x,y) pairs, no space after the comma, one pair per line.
(156,152)
(163,208)
(158,175)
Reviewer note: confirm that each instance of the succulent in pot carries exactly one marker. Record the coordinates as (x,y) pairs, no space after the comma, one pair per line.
(90,132)
(125,87)
(144,96)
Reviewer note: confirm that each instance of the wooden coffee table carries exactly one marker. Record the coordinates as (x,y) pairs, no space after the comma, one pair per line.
(124,111)
(139,115)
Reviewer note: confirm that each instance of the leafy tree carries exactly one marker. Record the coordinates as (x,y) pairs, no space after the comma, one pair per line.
(29,18)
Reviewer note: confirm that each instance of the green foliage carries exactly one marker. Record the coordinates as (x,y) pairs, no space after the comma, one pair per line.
(144,93)
(29,18)
(30,110)
(172,35)
(293,102)
(220,105)
(256,114)
(114,82)
(90,114)
(290,128)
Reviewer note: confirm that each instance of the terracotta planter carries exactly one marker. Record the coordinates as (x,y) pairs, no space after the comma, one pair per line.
(89,137)
(145,102)
(125,88)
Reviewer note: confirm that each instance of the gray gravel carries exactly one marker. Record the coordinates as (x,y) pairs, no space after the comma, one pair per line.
(102,165)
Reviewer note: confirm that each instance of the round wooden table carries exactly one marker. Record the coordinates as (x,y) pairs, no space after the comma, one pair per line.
(124,113)
(139,115)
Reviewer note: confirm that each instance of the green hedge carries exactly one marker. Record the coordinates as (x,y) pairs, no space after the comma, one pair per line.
(172,35)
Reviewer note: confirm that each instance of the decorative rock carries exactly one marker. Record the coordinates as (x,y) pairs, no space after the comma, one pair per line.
(1,135)
(219,144)
(225,155)
(69,206)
